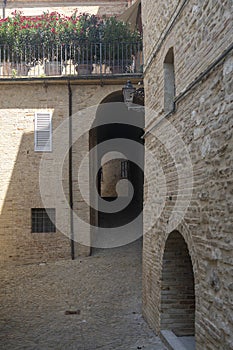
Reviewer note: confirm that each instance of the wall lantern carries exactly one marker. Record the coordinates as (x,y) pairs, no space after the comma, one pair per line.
(130,93)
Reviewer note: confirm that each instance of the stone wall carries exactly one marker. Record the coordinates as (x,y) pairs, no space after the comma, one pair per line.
(200,127)
(20,165)
(157,14)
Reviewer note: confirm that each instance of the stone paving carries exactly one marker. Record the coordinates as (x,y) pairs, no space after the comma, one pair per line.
(104,290)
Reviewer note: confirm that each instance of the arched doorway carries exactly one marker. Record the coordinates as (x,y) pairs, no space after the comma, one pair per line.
(111,167)
(177,288)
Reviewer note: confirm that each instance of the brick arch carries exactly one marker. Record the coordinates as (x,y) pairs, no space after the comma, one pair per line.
(112,121)
(184,231)
(186,234)
(177,301)
(114,96)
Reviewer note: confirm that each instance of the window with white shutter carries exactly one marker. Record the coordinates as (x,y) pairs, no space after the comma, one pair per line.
(43,131)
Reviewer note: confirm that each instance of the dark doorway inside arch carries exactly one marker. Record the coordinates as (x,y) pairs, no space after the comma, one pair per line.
(177,289)
(114,122)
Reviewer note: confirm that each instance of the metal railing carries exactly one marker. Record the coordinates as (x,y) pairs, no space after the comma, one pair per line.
(71,59)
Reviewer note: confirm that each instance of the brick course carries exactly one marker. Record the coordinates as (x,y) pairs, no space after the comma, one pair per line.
(19,170)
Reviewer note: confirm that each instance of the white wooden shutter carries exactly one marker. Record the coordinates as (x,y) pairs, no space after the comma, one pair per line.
(43,131)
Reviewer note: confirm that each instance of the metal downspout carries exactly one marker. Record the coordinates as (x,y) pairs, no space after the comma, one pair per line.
(71,175)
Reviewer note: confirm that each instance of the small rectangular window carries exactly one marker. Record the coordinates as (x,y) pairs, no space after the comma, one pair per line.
(43,131)
(101,175)
(43,220)
(124,169)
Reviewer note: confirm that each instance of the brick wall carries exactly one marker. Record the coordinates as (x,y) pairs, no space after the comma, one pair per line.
(19,171)
(202,119)
(177,287)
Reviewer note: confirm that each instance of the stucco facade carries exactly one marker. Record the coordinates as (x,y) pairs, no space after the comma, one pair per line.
(196,211)
(103,7)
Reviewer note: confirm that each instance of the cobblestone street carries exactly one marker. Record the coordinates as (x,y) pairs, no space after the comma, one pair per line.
(104,290)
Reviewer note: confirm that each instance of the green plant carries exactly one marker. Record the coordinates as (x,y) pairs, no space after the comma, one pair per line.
(120,42)
(14,73)
(52,36)
(114,30)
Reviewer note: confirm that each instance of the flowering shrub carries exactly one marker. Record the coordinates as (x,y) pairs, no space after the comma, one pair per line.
(47,28)
(41,34)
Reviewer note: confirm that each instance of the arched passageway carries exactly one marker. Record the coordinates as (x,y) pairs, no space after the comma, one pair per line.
(177,290)
(111,167)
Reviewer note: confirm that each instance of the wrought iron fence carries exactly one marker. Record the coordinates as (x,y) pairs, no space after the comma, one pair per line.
(71,59)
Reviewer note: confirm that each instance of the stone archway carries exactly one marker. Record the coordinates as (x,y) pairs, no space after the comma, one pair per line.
(177,288)
(109,165)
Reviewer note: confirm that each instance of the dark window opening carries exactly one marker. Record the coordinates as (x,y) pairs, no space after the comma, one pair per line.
(43,220)
(124,169)
(101,175)
(169,81)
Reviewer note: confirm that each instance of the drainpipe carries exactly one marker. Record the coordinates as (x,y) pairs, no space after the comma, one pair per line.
(71,175)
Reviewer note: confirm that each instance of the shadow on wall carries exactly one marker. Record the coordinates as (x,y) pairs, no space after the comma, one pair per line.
(17,241)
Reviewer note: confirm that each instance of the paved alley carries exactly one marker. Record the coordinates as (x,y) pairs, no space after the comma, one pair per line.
(86,304)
